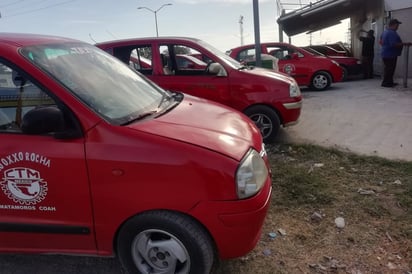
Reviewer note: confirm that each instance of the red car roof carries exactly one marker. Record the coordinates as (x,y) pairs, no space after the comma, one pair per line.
(26,39)
(151,39)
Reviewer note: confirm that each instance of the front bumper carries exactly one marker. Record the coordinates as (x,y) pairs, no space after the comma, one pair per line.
(235,226)
(294,105)
(290,111)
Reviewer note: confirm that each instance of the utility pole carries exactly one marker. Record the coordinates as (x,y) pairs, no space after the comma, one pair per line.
(241,30)
(258,49)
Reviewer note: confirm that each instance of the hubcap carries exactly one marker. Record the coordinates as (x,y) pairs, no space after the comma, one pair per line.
(263,123)
(320,81)
(158,252)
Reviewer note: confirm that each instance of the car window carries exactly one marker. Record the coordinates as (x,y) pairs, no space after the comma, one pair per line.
(18,96)
(283,53)
(137,57)
(166,62)
(246,55)
(183,60)
(141,59)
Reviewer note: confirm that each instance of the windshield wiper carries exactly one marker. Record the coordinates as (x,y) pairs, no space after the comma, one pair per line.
(141,116)
(178,96)
(175,96)
(165,98)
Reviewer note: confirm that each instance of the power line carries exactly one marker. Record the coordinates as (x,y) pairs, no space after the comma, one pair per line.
(11,4)
(38,9)
(24,6)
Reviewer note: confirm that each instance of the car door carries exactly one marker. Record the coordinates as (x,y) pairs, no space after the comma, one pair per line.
(291,61)
(44,196)
(189,70)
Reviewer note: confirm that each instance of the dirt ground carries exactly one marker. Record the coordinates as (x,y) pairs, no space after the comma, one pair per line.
(312,187)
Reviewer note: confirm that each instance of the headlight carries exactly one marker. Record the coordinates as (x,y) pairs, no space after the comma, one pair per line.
(294,90)
(251,175)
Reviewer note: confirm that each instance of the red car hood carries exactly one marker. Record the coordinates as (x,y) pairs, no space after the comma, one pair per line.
(204,123)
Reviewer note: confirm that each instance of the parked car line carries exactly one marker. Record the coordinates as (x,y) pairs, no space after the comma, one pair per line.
(270,99)
(351,66)
(316,72)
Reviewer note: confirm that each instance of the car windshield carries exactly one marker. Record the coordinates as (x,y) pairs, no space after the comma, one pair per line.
(224,57)
(106,85)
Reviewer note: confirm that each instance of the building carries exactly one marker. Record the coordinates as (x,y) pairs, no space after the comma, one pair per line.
(363,14)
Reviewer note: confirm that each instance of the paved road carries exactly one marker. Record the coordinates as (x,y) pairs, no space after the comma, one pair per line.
(57,264)
(360,116)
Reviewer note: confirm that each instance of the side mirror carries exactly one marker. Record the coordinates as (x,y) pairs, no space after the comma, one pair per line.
(295,56)
(43,120)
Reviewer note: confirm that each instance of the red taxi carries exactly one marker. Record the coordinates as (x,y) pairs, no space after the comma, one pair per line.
(316,72)
(351,66)
(270,99)
(97,160)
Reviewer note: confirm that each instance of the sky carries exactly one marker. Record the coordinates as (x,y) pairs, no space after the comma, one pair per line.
(214,21)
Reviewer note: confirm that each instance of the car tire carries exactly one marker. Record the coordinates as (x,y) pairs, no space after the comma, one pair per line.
(164,242)
(267,121)
(321,80)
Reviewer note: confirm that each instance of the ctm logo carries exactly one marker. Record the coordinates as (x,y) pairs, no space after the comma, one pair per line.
(24,185)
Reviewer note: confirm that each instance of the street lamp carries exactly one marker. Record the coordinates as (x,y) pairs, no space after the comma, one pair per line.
(155,14)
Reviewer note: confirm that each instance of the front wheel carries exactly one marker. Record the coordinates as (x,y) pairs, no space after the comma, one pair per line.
(321,81)
(164,242)
(267,121)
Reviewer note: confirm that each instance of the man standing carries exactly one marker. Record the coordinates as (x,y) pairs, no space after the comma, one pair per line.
(391,48)
(368,53)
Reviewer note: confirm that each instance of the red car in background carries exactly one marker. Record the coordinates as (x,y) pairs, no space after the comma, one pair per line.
(190,65)
(316,72)
(97,160)
(335,49)
(328,50)
(351,66)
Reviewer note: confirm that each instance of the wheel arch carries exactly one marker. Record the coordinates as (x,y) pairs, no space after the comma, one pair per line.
(117,234)
(323,71)
(345,69)
(268,106)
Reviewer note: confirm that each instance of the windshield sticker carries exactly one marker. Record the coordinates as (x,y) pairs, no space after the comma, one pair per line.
(24,186)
